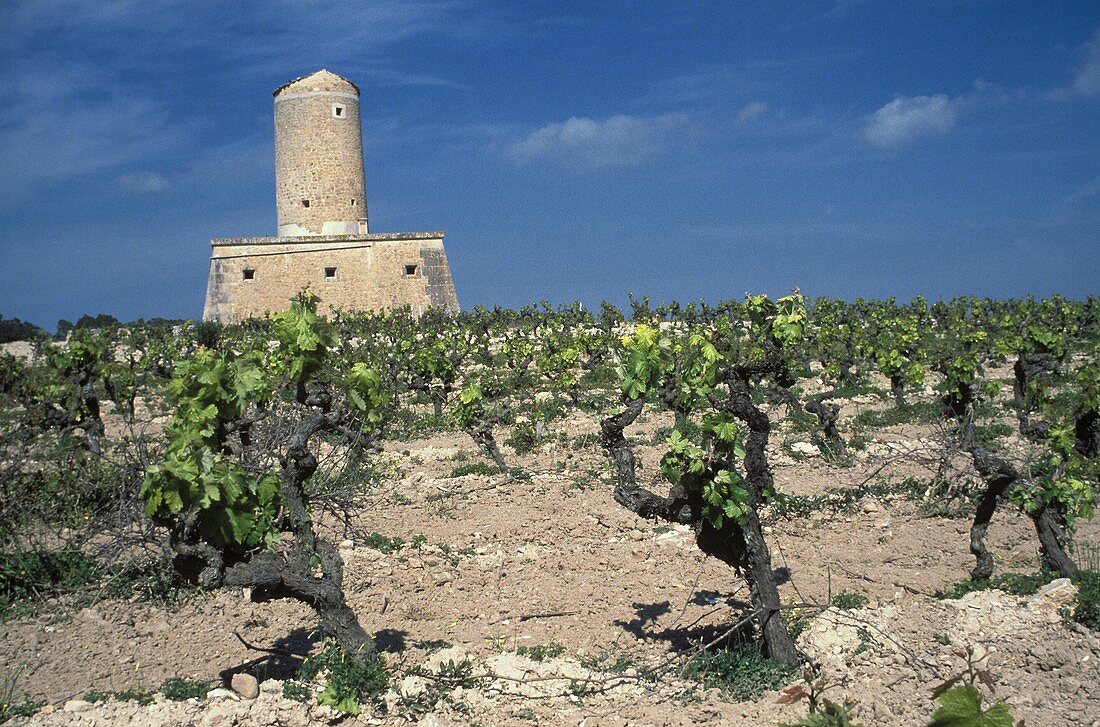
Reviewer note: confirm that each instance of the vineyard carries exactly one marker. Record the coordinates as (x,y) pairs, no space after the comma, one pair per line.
(765,512)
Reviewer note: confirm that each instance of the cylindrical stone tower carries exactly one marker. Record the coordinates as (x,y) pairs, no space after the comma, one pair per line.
(319,185)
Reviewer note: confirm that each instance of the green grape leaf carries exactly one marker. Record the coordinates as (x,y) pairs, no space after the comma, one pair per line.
(962,707)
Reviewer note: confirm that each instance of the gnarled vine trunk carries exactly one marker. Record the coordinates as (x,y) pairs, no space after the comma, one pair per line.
(741,547)
(999,476)
(308,568)
(827,416)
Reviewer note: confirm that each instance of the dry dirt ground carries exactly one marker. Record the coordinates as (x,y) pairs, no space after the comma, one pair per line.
(511,563)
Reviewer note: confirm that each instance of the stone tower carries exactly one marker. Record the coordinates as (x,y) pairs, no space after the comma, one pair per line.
(319,183)
(321,203)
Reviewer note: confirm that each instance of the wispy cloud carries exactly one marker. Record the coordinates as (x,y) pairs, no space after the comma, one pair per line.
(66,115)
(907,118)
(618,141)
(753,110)
(1087,82)
(702,84)
(64,121)
(142,182)
(1077,205)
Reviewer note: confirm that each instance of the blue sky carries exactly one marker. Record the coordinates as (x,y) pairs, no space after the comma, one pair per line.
(570,150)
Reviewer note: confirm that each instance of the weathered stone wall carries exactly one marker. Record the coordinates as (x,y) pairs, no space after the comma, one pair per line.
(353,272)
(319,158)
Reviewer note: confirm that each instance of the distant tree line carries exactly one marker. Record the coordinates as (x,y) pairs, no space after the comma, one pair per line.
(13,329)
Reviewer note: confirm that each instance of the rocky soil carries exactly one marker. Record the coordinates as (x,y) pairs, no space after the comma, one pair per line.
(511,563)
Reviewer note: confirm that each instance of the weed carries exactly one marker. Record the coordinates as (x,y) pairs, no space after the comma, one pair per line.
(1087,556)
(942,639)
(578,689)
(541,652)
(990,435)
(584,442)
(919,413)
(859,442)
(661,435)
(621,663)
(22,709)
(454,556)
(33,575)
(1087,611)
(865,640)
(10,709)
(448,676)
(296,691)
(802,421)
(741,672)
(1018,584)
(475,468)
(523,439)
(585,482)
(843,499)
(348,683)
(27,577)
(406,425)
(179,689)
(383,544)
(849,601)
(796,622)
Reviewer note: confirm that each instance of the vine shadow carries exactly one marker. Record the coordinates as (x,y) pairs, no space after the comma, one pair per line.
(690,635)
(280,660)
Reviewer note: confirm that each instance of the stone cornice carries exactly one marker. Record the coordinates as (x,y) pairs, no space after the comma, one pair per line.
(314,239)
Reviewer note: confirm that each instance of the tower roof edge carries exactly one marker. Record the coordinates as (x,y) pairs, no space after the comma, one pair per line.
(323,77)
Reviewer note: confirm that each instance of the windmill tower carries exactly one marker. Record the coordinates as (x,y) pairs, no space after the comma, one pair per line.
(321,204)
(319,183)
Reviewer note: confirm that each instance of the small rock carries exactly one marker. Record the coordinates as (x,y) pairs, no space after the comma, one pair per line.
(1059,592)
(872,506)
(77,705)
(245,685)
(221,693)
(347,544)
(806,449)
(272,686)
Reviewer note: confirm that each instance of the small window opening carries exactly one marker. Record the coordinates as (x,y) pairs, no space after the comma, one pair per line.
(305,203)
(410,271)
(337,111)
(330,272)
(248,274)
(353,203)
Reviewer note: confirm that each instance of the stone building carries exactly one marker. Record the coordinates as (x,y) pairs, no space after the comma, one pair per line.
(323,243)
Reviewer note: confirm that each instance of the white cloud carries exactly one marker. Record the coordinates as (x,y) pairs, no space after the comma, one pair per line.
(909,117)
(619,141)
(142,182)
(62,122)
(752,111)
(1087,82)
